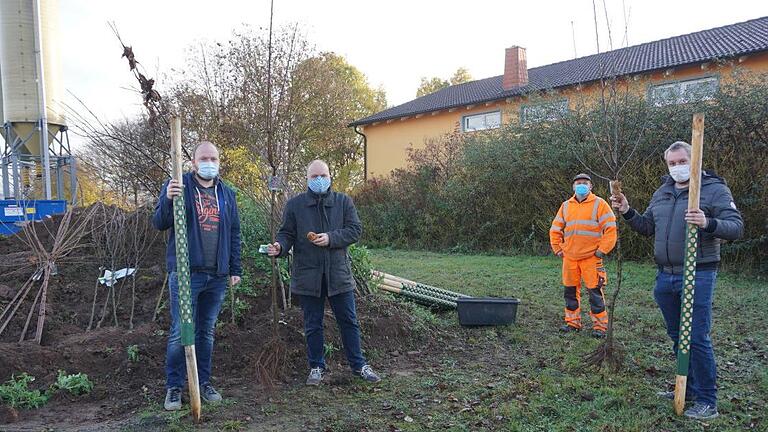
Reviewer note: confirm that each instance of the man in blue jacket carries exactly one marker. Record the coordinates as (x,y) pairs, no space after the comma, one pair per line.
(322,268)
(213,231)
(666,218)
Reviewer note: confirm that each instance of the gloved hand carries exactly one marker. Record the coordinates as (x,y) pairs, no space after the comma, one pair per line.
(599,254)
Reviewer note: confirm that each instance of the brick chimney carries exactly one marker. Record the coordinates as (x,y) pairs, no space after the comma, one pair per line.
(515,68)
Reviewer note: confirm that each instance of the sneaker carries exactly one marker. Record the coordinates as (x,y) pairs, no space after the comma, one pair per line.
(315,376)
(368,374)
(209,394)
(569,329)
(598,334)
(689,397)
(702,411)
(173,399)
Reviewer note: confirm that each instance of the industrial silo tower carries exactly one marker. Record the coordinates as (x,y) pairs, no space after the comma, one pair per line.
(36,159)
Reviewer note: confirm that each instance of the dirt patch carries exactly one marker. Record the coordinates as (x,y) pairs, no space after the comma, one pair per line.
(123,386)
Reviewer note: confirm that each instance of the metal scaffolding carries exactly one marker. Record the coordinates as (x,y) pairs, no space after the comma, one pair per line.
(54,162)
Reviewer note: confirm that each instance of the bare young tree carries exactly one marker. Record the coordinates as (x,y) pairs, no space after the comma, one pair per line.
(129,156)
(142,238)
(113,238)
(610,132)
(66,241)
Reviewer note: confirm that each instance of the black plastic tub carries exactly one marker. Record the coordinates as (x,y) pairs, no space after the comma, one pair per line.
(485,311)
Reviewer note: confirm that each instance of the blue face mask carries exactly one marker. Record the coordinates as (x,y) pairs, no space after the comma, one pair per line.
(319,184)
(208,170)
(581,189)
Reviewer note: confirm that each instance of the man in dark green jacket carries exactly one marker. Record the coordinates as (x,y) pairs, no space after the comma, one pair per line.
(322,268)
(666,218)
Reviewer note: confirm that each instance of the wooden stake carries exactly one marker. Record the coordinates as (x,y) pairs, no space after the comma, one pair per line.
(390,288)
(418,296)
(689,272)
(183,273)
(417,289)
(390,284)
(400,280)
(194,385)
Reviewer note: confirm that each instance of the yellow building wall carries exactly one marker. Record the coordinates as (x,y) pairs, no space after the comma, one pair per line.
(390,141)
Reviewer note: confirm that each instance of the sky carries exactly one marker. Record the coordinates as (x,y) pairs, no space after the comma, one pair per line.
(394,42)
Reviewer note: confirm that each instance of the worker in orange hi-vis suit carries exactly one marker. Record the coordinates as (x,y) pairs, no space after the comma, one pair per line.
(582,234)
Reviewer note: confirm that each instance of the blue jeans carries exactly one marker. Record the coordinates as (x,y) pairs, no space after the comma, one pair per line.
(343,306)
(208,293)
(702,372)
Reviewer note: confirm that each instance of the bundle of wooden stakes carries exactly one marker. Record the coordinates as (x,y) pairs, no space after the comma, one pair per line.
(420,293)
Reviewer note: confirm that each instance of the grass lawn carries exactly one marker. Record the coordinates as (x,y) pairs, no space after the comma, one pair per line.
(524,377)
(528,377)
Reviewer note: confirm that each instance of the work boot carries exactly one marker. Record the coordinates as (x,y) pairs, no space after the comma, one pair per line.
(209,394)
(689,397)
(598,334)
(569,329)
(368,374)
(173,399)
(315,376)
(702,411)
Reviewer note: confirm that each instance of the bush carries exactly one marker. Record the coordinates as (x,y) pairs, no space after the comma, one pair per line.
(361,268)
(16,393)
(133,353)
(77,384)
(498,191)
(253,233)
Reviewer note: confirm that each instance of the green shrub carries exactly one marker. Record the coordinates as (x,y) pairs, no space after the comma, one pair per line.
(361,267)
(329,349)
(253,229)
(16,393)
(498,191)
(133,353)
(77,384)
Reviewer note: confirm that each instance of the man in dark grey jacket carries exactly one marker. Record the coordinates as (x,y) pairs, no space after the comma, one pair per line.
(666,218)
(322,268)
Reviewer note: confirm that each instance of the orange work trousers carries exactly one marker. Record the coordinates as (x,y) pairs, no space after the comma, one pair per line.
(592,272)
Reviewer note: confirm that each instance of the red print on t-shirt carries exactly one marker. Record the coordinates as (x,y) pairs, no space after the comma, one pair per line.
(207,212)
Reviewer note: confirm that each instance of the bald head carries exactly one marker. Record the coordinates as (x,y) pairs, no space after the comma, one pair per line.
(317,168)
(205,150)
(205,161)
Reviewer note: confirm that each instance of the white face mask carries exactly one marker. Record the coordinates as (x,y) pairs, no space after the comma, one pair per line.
(680,173)
(207,170)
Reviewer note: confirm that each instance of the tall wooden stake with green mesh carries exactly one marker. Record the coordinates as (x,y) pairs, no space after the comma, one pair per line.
(689,273)
(183,273)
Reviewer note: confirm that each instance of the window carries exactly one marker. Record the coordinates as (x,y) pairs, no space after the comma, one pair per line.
(684,91)
(544,112)
(490,120)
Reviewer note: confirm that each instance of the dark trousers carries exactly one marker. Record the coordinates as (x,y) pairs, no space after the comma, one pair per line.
(343,306)
(702,372)
(207,292)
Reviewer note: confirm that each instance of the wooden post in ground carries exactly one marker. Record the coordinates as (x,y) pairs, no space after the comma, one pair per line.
(689,272)
(183,273)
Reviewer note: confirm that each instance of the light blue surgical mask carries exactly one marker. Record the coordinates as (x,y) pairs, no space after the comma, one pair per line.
(581,189)
(207,170)
(319,184)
